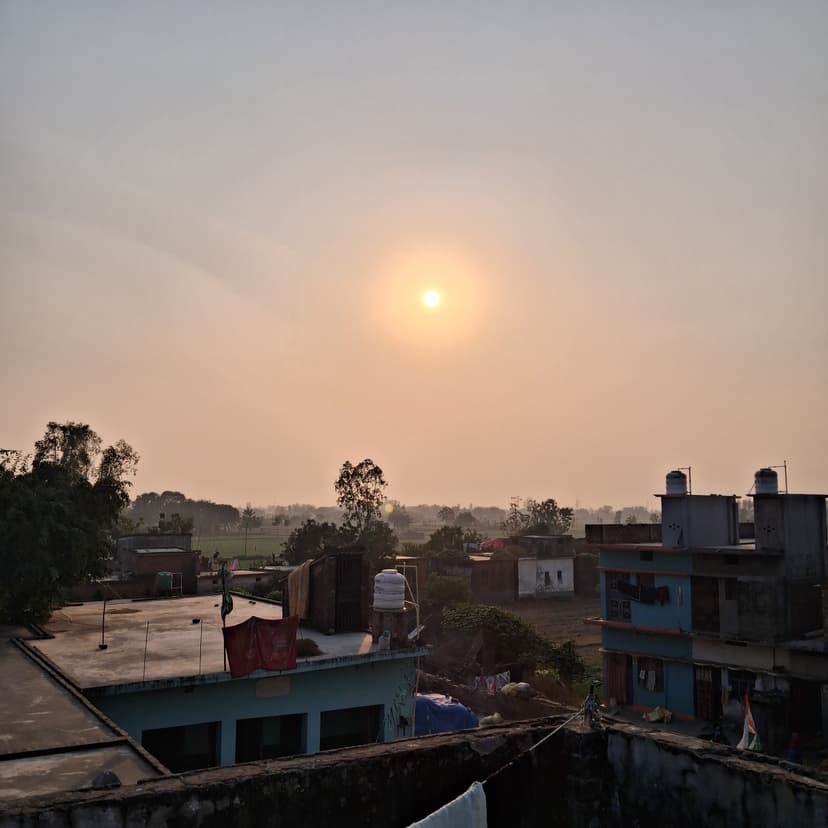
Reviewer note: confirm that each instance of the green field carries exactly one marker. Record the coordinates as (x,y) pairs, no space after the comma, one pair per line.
(259,547)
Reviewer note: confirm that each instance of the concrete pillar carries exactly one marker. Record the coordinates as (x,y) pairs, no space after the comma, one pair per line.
(227,742)
(312,727)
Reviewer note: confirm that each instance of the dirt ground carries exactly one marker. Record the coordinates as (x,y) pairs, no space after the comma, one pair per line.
(561,618)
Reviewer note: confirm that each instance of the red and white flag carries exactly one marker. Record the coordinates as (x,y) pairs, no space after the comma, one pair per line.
(749,728)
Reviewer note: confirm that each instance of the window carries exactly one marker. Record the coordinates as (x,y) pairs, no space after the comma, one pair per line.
(560,576)
(191,747)
(352,726)
(618,602)
(269,737)
(651,674)
(646,580)
(731,586)
(646,555)
(547,581)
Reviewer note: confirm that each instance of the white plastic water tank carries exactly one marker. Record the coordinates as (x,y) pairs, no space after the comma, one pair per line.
(389,591)
(767,482)
(676,483)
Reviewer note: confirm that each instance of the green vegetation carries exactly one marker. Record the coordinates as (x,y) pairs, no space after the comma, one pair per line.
(449,542)
(515,640)
(538,517)
(259,547)
(58,516)
(446,590)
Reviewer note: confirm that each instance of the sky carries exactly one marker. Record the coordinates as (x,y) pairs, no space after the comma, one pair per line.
(218,221)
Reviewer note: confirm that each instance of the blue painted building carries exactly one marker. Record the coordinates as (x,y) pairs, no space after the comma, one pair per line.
(646,622)
(161,678)
(647,601)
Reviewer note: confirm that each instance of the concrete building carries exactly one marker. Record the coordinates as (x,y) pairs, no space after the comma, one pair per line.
(697,621)
(549,568)
(162,679)
(52,740)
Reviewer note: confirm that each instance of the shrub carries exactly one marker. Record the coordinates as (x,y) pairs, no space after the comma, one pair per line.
(515,640)
(446,590)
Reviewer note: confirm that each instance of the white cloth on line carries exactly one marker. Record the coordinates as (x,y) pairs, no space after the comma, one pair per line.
(467,811)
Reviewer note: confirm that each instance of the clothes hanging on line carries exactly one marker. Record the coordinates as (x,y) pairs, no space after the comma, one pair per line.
(467,810)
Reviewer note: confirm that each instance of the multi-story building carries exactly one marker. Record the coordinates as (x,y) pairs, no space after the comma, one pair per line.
(697,621)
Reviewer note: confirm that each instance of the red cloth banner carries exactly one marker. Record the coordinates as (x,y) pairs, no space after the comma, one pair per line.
(261,644)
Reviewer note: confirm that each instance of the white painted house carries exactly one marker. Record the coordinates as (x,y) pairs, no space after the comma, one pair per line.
(550,570)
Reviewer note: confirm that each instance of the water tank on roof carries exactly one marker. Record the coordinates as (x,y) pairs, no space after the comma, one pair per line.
(676,483)
(767,482)
(389,591)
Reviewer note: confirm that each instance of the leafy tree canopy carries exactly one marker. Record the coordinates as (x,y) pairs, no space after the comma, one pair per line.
(449,542)
(307,541)
(58,514)
(446,514)
(201,516)
(360,492)
(538,517)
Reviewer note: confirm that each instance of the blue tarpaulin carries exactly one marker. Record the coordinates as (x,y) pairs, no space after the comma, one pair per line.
(436,713)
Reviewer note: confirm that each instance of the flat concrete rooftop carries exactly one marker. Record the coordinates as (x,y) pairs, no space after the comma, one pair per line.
(175,647)
(50,740)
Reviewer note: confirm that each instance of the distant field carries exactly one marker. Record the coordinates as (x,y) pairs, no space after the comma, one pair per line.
(232,546)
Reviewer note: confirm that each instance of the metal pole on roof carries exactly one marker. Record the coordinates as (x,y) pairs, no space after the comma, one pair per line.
(146,642)
(200,639)
(102,645)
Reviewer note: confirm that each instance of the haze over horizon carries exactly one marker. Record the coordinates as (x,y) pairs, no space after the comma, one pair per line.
(218,224)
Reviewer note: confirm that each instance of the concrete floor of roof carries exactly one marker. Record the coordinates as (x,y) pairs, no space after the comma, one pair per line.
(172,644)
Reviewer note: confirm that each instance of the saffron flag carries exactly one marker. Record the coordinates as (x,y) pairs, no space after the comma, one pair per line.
(261,644)
(748,730)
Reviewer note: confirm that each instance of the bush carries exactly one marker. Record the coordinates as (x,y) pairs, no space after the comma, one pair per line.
(446,590)
(515,640)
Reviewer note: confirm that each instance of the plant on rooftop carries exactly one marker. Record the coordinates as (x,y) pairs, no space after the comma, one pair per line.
(58,513)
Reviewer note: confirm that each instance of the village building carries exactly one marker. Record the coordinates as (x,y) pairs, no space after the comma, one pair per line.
(698,621)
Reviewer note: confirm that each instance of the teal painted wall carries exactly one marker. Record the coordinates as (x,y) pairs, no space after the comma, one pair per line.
(677,694)
(677,612)
(386,683)
(629,641)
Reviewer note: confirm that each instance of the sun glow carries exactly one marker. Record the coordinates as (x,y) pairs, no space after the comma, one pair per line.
(431,298)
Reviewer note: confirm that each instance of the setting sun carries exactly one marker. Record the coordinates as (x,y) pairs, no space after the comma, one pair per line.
(431,298)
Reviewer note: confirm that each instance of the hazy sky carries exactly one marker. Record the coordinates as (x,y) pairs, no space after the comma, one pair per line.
(217,222)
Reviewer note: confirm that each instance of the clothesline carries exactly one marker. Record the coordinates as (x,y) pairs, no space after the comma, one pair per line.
(537,744)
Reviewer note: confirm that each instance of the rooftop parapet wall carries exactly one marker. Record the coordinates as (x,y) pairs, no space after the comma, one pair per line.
(618,777)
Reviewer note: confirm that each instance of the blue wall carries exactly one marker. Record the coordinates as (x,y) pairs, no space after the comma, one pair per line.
(629,641)
(677,694)
(386,683)
(677,612)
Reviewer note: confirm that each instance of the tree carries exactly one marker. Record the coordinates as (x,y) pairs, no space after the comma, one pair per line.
(360,491)
(308,541)
(250,519)
(446,514)
(465,519)
(399,518)
(543,517)
(58,517)
(449,542)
